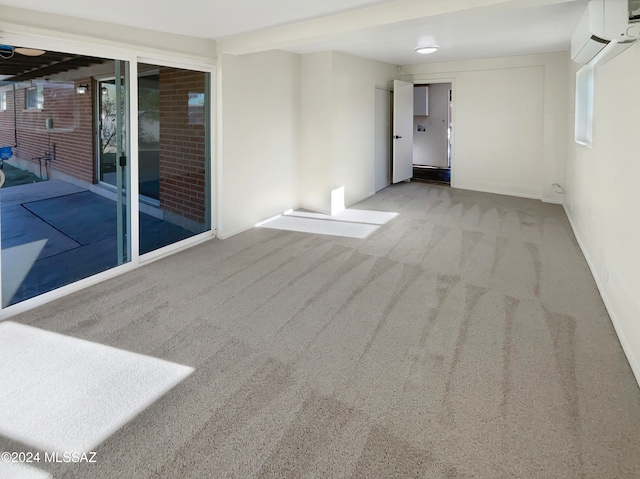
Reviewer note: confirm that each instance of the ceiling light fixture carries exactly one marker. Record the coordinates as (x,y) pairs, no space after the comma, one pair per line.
(30,52)
(425,50)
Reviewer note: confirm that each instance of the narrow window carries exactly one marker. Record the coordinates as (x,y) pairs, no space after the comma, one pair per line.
(584,106)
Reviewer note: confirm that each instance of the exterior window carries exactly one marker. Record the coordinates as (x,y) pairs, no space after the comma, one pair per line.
(584,106)
(3,100)
(35,98)
(196,108)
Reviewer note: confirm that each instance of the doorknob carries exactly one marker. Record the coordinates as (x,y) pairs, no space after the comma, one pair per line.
(396,137)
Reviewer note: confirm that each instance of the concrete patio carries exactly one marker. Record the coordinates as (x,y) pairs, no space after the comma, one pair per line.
(55,233)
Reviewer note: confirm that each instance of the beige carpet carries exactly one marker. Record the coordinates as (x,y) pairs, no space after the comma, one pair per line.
(465,338)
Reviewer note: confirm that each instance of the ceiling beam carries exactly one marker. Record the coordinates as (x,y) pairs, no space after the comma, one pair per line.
(67,64)
(301,33)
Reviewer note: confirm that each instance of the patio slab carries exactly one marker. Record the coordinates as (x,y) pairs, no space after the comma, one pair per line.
(65,268)
(84,216)
(16,195)
(87,218)
(79,230)
(155,233)
(21,226)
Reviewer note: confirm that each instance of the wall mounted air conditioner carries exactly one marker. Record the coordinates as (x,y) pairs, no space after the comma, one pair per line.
(605,23)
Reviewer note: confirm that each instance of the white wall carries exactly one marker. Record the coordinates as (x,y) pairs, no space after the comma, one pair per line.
(603,198)
(509,122)
(292,129)
(258,138)
(353,127)
(314,173)
(430,147)
(499,133)
(338,126)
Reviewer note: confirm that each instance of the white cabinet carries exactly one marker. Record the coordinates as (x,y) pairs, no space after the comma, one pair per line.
(421,101)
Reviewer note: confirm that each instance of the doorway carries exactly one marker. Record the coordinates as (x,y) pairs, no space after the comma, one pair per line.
(432,132)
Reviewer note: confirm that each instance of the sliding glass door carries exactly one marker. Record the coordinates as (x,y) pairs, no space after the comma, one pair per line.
(173,152)
(57,225)
(66,204)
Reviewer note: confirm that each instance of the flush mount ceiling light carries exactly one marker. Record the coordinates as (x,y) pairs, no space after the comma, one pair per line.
(426,49)
(30,52)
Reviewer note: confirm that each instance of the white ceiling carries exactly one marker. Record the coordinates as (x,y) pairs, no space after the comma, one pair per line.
(462,36)
(201,18)
(503,29)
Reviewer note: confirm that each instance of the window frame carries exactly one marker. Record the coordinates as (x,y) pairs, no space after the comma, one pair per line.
(39,98)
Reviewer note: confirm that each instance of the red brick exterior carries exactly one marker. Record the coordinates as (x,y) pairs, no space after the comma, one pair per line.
(182,145)
(72,128)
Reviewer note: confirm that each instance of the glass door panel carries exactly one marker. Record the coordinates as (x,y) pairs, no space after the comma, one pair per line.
(149,136)
(106,122)
(56,226)
(174,157)
(122,161)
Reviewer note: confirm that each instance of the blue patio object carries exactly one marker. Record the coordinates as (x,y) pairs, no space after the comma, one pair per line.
(5,153)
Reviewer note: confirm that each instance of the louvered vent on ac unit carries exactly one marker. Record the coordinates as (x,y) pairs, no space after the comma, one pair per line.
(634,11)
(614,24)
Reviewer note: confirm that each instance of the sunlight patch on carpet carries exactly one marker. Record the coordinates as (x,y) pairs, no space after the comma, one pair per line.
(348,223)
(64,394)
(350,216)
(11,470)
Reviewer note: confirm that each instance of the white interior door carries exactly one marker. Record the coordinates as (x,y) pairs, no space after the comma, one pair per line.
(402,130)
(383,139)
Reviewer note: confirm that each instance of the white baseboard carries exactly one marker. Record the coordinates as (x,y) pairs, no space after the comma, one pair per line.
(496,191)
(223,235)
(608,304)
(368,195)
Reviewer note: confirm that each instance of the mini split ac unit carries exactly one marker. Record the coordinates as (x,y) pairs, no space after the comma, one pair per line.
(605,22)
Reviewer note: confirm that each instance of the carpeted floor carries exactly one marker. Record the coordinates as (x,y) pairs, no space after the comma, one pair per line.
(465,338)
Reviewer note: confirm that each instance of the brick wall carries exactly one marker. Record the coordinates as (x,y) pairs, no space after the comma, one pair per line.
(72,128)
(182,145)
(182,142)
